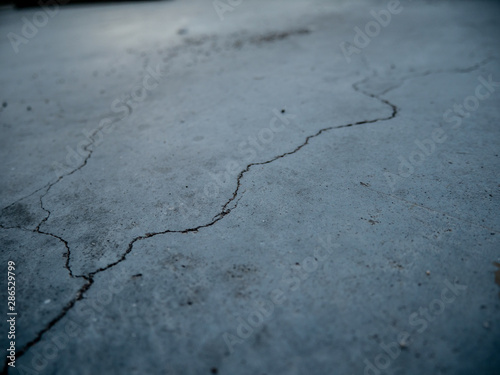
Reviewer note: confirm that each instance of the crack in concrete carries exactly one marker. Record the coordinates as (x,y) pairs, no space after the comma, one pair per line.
(306,142)
(53,322)
(266,38)
(438,71)
(26,196)
(50,184)
(37,230)
(89,279)
(224,211)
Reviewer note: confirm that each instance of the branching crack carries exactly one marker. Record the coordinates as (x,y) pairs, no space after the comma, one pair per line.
(224,211)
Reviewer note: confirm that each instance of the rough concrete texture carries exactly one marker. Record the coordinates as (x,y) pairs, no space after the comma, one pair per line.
(185,194)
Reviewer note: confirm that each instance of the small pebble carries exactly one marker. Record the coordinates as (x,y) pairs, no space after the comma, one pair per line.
(427,273)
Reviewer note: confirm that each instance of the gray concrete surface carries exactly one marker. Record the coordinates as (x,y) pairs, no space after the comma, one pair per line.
(252,187)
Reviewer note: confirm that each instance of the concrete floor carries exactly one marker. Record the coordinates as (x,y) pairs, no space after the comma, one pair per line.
(252,187)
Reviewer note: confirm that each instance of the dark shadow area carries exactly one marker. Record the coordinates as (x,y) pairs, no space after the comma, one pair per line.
(48,3)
